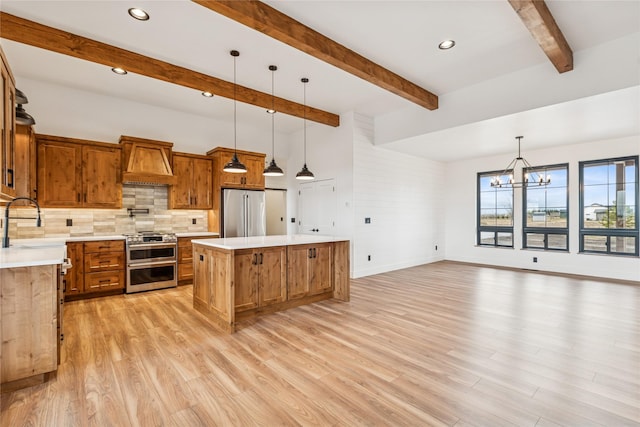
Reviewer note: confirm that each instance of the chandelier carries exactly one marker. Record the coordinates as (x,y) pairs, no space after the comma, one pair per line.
(529,175)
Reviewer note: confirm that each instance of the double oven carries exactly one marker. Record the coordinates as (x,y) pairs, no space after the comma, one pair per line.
(152,260)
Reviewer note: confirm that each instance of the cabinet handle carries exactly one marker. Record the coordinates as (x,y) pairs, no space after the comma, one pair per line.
(310,252)
(255,259)
(78,197)
(85,197)
(105,281)
(261,258)
(10,183)
(314,252)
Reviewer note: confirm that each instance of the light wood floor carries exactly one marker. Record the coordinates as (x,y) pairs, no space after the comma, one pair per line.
(441,344)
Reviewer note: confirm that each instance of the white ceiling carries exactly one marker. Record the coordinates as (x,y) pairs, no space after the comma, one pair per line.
(492,45)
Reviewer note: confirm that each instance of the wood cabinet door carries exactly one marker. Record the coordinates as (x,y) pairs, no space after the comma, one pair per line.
(74,279)
(201,276)
(201,184)
(321,269)
(246,279)
(180,193)
(101,177)
(298,258)
(254,178)
(25,164)
(59,174)
(273,275)
(7,141)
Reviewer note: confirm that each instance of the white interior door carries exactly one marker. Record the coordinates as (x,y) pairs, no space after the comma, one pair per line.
(317,207)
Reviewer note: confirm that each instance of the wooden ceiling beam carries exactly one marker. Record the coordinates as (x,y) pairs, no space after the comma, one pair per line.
(270,21)
(538,19)
(38,35)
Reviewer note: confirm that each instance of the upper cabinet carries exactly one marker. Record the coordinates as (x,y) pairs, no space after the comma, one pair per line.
(25,163)
(194,182)
(8,126)
(253,179)
(78,173)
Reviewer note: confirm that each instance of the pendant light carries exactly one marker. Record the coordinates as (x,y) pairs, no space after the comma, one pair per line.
(22,117)
(273,169)
(234,165)
(530,176)
(305,174)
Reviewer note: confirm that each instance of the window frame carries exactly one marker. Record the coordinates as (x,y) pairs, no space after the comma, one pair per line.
(544,230)
(608,232)
(490,228)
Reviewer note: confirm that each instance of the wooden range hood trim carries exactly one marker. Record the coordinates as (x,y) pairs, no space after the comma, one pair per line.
(35,34)
(146,161)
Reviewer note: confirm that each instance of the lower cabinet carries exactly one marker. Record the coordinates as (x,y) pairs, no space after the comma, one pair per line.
(31,324)
(98,268)
(310,270)
(185,259)
(260,277)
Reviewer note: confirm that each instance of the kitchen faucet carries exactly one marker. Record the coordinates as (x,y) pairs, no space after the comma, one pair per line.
(5,235)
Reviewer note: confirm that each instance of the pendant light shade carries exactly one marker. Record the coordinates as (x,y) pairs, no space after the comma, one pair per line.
(305,173)
(273,169)
(21,98)
(234,165)
(22,117)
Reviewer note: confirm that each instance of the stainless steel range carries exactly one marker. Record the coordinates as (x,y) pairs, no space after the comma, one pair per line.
(151,261)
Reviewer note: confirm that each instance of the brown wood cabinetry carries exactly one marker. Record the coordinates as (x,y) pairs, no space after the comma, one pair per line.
(185,258)
(98,268)
(78,173)
(30,315)
(310,269)
(260,277)
(8,128)
(230,285)
(253,179)
(25,164)
(194,182)
(74,279)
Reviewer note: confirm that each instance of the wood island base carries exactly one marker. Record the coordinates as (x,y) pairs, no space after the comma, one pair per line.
(239,278)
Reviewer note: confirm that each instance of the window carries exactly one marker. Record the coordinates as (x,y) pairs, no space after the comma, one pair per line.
(546,224)
(495,212)
(609,206)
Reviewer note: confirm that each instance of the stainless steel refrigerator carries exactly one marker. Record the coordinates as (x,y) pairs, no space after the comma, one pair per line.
(243,213)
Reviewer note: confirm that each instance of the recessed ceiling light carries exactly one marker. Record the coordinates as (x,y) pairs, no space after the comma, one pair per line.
(139,14)
(446,44)
(271,111)
(207,94)
(119,70)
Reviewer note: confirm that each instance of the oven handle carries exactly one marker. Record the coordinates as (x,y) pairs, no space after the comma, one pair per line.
(151,246)
(131,266)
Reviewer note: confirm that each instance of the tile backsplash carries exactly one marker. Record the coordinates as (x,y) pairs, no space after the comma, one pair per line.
(97,222)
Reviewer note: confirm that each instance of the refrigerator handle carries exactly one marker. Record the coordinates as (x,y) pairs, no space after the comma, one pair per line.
(247,208)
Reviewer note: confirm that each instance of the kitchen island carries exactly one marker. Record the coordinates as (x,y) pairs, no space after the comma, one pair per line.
(243,277)
(30,313)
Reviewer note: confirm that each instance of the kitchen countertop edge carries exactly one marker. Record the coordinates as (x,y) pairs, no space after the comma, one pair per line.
(235,243)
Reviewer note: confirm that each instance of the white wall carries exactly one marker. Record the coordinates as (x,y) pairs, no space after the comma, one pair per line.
(329,155)
(404,197)
(64,111)
(460,222)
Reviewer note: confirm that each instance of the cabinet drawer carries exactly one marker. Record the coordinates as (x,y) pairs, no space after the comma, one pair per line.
(104,246)
(103,261)
(104,280)
(185,255)
(185,271)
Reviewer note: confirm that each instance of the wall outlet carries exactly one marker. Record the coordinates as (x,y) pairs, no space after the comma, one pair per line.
(367,220)
(368,257)
(193,221)
(69,223)
(535,259)
(436,247)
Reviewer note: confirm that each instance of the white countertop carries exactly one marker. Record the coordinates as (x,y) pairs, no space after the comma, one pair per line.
(197,234)
(29,256)
(233,243)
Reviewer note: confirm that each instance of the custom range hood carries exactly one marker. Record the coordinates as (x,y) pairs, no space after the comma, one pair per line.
(146,161)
